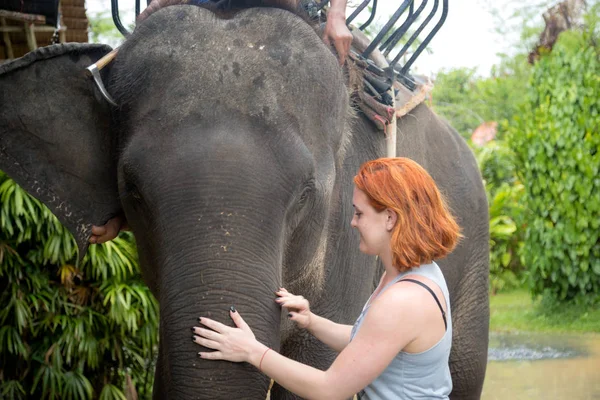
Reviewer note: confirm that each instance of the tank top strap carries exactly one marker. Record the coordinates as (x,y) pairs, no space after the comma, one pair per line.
(433,294)
(434,273)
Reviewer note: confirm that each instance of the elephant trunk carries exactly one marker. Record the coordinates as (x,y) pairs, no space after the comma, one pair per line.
(227,259)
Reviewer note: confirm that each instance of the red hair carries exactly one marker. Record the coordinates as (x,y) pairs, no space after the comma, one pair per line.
(425,229)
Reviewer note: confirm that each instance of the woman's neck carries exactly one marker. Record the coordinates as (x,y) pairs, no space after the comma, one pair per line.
(390,271)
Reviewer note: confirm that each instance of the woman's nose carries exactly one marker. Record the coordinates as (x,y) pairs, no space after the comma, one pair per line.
(353,222)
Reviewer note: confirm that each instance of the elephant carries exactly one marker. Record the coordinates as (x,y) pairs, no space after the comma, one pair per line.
(231,153)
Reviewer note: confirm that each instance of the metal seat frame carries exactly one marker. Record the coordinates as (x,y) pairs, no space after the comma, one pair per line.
(394,71)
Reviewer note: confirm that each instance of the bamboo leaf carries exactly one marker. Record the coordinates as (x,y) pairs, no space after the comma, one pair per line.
(18,206)
(43,303)
(111,392)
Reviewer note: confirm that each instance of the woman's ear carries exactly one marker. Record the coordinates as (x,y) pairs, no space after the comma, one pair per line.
(392,218)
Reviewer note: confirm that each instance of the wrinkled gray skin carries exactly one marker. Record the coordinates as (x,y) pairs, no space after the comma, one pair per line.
(232,156)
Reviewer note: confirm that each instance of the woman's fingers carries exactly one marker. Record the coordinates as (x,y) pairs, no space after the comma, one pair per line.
(238,320)
(284,294)
(206,333)
(295,303)
(294,316)
(214,325)
(287,295)
(300,319)
(231,343)
(211,355)
(211,344)
(282,298)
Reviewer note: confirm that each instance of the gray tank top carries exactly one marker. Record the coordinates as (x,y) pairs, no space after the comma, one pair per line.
(424,375)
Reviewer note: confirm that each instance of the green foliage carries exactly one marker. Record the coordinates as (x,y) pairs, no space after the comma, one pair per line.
(497,164)
(454,98)
(557,145)
(467,101)
(103,29)
(504,194)
(69,330)
(506,238)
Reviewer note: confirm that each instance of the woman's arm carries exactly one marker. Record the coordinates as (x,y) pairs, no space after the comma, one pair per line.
(334,335)
(383,334)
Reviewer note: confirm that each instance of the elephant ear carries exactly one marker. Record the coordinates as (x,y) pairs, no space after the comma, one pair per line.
(55,136)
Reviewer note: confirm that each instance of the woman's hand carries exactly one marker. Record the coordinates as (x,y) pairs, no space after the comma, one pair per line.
(231,344)
(297,305)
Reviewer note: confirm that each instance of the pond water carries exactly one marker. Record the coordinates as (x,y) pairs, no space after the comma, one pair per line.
(532,367)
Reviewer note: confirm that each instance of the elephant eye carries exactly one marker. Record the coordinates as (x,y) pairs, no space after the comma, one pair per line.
(307,191)
(132,191)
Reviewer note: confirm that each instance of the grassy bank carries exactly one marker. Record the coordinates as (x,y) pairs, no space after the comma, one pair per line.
(516,311)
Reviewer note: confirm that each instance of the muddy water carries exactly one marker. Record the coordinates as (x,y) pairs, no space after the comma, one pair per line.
(532,367)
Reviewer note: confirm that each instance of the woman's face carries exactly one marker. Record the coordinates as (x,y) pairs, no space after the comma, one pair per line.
(372,226)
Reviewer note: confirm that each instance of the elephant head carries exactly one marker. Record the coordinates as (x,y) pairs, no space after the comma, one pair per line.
(222,154)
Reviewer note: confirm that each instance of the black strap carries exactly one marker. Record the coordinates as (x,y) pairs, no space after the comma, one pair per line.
(433,294)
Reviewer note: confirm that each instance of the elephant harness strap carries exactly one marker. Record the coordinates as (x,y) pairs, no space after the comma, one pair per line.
(381,102)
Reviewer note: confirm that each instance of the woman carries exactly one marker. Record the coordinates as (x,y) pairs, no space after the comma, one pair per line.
(400,344)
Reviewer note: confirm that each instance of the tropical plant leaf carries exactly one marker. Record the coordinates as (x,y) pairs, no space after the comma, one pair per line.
(69,330)
(557,145)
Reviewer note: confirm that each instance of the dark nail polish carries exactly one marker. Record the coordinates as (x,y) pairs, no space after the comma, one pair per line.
(199,319)
(289,315)
(232,308)
(199,355)
(193,338)
(193,330)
